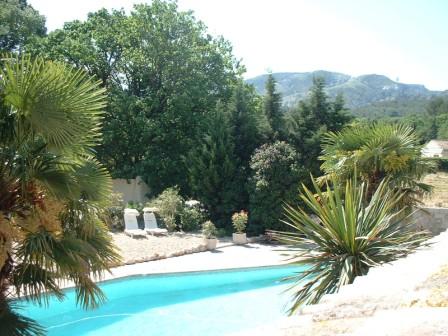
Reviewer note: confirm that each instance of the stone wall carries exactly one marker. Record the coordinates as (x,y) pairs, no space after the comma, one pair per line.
(132,189)
(435,220)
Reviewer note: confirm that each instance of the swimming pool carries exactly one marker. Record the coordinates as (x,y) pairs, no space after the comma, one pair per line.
(199,303)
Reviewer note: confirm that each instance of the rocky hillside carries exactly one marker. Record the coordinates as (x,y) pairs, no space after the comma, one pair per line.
(362,94)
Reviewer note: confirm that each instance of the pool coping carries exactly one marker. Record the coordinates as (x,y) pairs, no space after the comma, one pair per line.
(144,268)
(205,261)
(199,272)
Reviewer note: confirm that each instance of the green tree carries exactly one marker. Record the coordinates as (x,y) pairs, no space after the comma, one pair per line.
(272,107)
(52,190)
(374,152)
(164,73)
(310,119)
(275,178)
(436,107)
(341,233)
(249,126)
(19,23)
(212,168)
(128,155)
(419,122)
(442,126)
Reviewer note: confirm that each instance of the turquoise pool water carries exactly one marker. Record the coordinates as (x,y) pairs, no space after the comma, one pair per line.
(201,303)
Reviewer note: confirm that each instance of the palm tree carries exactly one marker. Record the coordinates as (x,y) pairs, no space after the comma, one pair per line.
(52,190)
(374,152)
(343,232)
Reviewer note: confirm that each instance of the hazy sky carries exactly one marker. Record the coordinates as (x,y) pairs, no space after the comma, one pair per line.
(404,39)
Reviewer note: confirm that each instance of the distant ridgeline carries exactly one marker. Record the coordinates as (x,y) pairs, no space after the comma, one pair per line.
(369,96)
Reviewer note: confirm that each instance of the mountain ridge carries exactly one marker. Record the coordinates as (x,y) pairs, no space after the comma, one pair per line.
(359,92)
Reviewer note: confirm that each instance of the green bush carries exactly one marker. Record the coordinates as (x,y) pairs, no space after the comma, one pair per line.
(114,213)
(191,218)
(440,163)
(274,181)
(222,232)
(135,205)
(169,205)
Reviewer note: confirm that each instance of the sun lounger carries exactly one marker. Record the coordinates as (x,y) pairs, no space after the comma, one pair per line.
(151,223)
(131,225)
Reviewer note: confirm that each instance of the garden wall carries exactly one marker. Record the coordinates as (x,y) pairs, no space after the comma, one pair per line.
(132,189)
(434,220)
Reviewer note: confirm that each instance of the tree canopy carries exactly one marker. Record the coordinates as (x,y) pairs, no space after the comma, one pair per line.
(310,119)
(163,73)
(213,169)
(19,24)
(272,106)
(275,179)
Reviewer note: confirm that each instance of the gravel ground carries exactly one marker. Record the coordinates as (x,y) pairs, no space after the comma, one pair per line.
(152,248)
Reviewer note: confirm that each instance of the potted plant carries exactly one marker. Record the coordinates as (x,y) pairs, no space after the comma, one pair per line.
(239,221)
(209,232)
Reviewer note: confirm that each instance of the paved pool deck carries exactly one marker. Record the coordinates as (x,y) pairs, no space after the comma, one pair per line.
(406,297)
(226,256)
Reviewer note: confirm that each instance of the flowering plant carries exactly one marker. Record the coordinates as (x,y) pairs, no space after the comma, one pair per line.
(239,221)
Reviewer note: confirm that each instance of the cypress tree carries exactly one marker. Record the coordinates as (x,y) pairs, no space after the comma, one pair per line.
(310,119)
(249,126)
(250,129)
(272,107)
(212,169)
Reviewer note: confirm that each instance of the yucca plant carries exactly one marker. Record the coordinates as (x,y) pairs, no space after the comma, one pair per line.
(342,233)
(52,190)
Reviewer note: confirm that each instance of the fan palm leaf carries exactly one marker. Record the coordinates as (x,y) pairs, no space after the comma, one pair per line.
(52,188)
(52,100)
(374,152)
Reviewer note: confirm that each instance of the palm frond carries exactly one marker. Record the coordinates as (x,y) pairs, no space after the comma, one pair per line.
(15,324)
(375,152)
(53,100)
(93,180)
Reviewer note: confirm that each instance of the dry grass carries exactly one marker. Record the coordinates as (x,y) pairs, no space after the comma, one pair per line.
(439,196)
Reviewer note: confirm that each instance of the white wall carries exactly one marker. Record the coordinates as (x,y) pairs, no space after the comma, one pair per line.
(132,189)
(432,149)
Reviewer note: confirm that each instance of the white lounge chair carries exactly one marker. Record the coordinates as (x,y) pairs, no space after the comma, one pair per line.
(151,223)
(131,225)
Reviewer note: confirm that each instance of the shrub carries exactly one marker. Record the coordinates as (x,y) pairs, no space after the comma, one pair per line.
(113,214)
(221,233)
(239,221)
(275,178)
(440,163)
(209,230)
(135,205)
(169,204)
(352,233)
(191,218)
